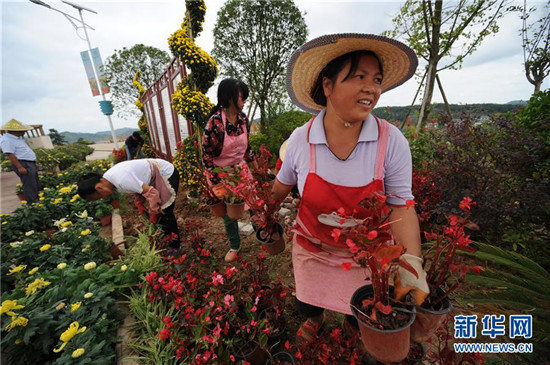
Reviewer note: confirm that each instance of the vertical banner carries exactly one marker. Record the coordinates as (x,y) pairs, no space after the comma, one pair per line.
(90,71)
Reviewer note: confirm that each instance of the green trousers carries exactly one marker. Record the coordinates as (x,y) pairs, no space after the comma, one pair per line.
(232,230)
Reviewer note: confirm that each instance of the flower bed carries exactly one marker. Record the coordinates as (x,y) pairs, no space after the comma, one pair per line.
(58,294)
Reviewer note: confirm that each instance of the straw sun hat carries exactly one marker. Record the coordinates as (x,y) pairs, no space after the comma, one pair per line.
(399,63)
(15,126)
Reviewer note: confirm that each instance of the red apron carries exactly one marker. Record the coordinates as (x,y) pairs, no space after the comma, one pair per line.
(316,256)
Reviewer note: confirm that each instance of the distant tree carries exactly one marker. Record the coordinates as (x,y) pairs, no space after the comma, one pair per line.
(56,137)
(535,38)
(454,30)
(120,69)
(253,41)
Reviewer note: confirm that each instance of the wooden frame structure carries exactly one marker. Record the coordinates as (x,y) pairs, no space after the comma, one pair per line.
(166,127)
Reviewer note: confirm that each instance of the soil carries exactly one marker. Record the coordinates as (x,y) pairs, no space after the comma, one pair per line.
(278,266)
(394,320)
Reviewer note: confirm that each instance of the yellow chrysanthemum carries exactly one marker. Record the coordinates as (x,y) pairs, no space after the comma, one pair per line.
(46,247)
(78,352)
(35,285)
(66,336)
(17,322)
(8,306)
(75,306)
(17,269)
(85,232)
(90,266)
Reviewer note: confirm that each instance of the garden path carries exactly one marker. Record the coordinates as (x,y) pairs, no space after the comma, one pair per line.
(101,150)
(8,201)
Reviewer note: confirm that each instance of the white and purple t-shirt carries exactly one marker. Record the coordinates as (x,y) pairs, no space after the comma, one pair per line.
(358,168)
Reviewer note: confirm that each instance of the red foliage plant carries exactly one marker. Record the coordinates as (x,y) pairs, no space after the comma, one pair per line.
(119,155)
(256,192)
(371,243)
(444,266)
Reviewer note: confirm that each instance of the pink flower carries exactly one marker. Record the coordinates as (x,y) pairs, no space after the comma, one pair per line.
(232,358)
(372,235)
(228,299)
(217,280)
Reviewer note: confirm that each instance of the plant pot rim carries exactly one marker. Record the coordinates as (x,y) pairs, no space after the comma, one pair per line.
(357,316)
(241,203)
(271,241)
(216,203)
(445,310)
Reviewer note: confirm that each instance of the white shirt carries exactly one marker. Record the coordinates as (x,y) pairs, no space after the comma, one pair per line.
(17,145)
(358,168)
(129,176)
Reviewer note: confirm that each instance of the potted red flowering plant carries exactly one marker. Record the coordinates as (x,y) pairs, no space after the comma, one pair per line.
(257,193)
(384,322)
(446,271)
(232,179)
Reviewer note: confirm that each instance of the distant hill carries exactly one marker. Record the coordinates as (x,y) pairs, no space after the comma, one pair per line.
(392,113)
(517,102)
(102,136)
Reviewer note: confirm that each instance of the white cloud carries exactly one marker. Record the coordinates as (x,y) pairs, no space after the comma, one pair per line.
(43,79)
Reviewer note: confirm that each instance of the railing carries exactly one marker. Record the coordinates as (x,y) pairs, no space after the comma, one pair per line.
(166,127)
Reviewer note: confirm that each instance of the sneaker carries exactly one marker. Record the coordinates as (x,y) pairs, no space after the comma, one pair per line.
(231,255)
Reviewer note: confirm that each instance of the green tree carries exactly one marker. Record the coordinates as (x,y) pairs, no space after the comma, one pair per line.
(56,137)
(454,31)
(535,38)
(253,41)
(121,68)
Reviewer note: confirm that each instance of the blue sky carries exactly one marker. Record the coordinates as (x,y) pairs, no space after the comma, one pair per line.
(43,79)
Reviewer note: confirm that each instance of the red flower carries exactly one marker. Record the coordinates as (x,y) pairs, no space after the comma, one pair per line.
(336,234)
(372,235)
(346,266)
(164,334)
(298,355)
(287,345)
(232,358)
(386,309)
(410,203)
(341,212)
(352,246)
(477,269)
(466,204)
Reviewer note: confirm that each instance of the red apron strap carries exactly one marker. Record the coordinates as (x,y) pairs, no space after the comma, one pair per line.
(311,148)
(384,132)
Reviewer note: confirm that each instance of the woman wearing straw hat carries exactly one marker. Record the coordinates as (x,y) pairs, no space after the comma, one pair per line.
(225,143)
(22,158)
(337,158)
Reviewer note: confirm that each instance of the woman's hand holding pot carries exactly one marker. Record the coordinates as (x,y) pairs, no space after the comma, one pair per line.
(220,191)
(406,281)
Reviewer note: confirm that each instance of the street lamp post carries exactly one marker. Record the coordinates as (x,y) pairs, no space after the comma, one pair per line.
(84,26)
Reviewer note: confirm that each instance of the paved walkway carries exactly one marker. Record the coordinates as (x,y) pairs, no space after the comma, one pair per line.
(102,150)
(8,201)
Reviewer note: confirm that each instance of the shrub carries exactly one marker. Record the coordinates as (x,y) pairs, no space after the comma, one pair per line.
(535,116)
(256,140)
(498,164)
(62,156)
(282,127)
